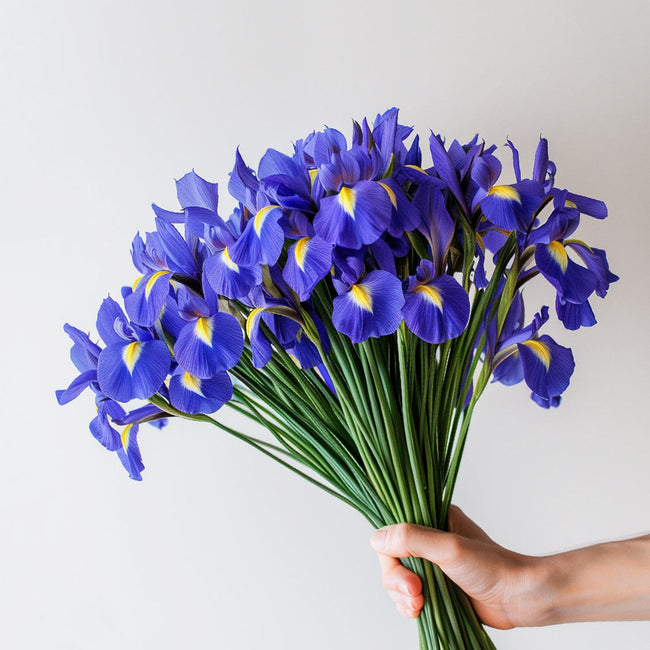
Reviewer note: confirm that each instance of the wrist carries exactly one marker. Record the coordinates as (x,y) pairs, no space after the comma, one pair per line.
(547,580)
(539,586)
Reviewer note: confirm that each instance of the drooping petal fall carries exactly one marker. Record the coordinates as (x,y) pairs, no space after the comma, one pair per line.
(354,217)
(308,261)
(129,452)
(572,281)
(146,302)
(372,307)
(262,239)
(209,345)
(228,278)
(437,310)
(134,369)
(547,366)
(191,394)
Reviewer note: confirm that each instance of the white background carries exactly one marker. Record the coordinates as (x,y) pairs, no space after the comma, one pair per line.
(103,105)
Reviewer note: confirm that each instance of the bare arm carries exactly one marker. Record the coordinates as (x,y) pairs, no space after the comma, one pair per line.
(599,583)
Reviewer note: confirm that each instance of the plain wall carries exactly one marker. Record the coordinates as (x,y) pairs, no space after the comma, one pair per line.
(103,105)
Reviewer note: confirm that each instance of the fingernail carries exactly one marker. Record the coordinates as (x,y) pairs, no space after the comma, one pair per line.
(404,588)
(378,540)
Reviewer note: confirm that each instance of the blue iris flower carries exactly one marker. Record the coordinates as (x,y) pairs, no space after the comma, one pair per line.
(369,222)
(133,364)
(521,354)
(111,416)
(436,308)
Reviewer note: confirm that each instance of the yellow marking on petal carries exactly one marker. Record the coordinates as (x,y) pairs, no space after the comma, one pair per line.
(312,178)
(361,296)
(131,355)
(558,253)
(260,217)
(126,435)
(570,204)
(191,383)
(151,281)
(300,251)
(541,352)
(348,199)
(431,294)
(505,192)
(251,317)
(137,282)
(417,169)
(203,329)
(228,261)
(391,194)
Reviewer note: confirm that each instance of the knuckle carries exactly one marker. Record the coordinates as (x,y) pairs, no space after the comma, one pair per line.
(454,516)
(454,547)
(400,538)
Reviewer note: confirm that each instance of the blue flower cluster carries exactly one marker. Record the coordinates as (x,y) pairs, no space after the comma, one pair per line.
(359,237)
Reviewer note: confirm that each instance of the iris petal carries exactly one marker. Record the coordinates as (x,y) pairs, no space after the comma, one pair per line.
(145,304)
(510,371)
(573,315)
(438,310)
(354,217)
(547,366)
(111,322)
(101,427)
(260,345)
(209,345)
(178,254)
(596,261)
(445,169)
(308,261)
(129,452)
(133,369)
(572,281)
(77,386)
(228,278)
(262,239)
(371,308)
(193,395)
(512,207)
(195,192)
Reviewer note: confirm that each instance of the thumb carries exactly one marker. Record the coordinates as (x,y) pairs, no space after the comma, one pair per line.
(410,540)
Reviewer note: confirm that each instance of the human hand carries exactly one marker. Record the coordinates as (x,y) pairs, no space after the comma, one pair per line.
(502,585)
(603,582)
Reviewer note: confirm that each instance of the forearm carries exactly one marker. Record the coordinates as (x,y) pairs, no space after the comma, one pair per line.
(605,582)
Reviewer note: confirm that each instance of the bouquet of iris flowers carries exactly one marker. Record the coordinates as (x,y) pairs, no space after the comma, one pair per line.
(355,303)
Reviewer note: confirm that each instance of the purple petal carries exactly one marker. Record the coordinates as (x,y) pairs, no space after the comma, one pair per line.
(574,316)
(573,282)
(445,169)
(209,345)
(372,307)
(145,304)
(228,278)
(262,239)
(309,260)
(356,216)
(112,324)
(437,311)
(77,386)
(193,395)
(129,452)
(547,366)
(129,370)
(195,192)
